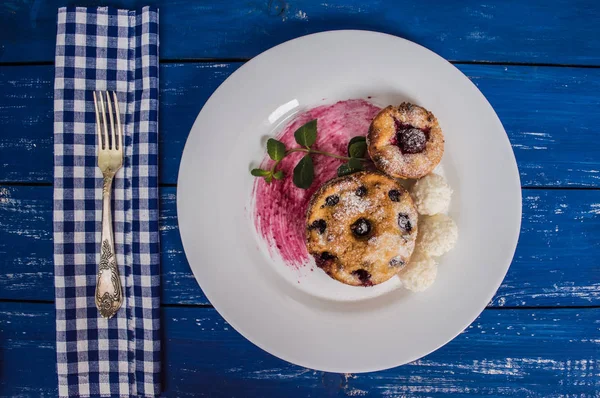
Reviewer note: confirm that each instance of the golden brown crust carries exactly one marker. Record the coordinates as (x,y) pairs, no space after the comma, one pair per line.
(388,156)
(335,225)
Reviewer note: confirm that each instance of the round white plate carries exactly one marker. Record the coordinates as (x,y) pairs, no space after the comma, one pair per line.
(320,323)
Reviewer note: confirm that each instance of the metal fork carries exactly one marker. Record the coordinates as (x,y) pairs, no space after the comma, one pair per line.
(109,294)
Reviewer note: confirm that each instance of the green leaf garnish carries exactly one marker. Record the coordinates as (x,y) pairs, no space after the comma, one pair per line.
(307,134)
(275,149)
(304,173)
(355,164)
(344,170)
(260,172)
(358,138)
(357,149)
(352,166)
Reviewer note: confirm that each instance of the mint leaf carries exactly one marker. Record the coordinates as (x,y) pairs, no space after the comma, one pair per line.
(275,149)
(278,175)
(355,164)
(344,170)
(352,166)
(358,138)
(357,149)
(269,178)
(304,173)
(260,172)
(307,134)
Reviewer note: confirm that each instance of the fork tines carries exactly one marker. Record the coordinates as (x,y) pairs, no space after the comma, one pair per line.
(115,140)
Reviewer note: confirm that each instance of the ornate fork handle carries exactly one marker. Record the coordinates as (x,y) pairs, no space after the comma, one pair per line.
(109,294)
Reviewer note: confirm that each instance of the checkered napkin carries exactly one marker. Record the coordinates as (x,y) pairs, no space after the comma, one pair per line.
(117,50)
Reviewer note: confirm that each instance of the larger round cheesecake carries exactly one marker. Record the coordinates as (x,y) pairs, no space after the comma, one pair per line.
(361,229)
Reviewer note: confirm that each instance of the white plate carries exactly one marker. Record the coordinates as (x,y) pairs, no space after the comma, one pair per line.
(319,323)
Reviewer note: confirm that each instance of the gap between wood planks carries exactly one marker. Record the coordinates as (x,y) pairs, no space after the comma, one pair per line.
(233,60)
(174,185)
(543,307)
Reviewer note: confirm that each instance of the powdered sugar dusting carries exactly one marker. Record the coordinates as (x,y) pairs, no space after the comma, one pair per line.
(382,243)
(280,207)
(353,205)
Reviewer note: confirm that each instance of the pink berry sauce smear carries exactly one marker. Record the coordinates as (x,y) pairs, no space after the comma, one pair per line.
(280,207)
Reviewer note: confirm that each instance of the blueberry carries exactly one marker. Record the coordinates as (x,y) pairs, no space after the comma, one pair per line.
(332,200)
(394,195)
(325,256)
(323,259)
(404,222)
(396,262)
(361,191)
(361,227)
(363,276)
(411,140)
(320,225)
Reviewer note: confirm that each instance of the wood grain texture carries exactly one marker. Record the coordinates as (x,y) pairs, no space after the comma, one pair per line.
(536,31)
(550,115)
(556,262)
(522,353)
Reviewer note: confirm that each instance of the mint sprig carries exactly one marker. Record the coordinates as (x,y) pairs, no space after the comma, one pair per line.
(352,166)
(275,149)
(357,147)
(307,134)
(304,172)
(260,172)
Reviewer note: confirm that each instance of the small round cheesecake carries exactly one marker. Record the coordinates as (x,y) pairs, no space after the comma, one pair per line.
(361,229)
(405,141)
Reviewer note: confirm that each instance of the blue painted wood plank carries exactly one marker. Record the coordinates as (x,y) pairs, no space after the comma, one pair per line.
(524,353)
(550,115)
(556,263)
(26,129)
(536,31)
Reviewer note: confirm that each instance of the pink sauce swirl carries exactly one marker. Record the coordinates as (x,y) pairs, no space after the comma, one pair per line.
(280,207)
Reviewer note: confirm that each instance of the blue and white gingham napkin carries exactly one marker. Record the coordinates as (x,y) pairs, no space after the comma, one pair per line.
(106,49)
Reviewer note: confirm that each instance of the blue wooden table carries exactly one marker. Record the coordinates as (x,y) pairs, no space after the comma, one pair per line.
(537,62)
